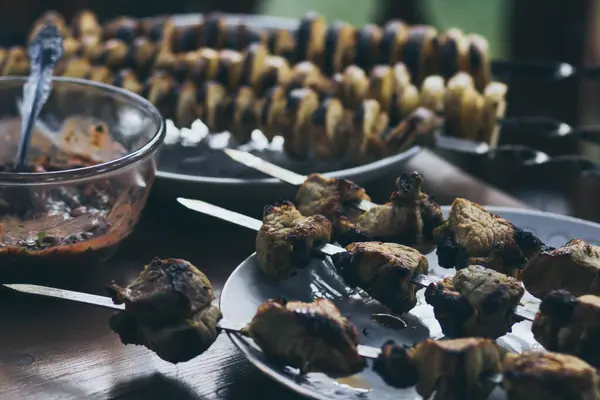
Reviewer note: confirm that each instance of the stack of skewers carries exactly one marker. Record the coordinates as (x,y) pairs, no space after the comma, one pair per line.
(333,92)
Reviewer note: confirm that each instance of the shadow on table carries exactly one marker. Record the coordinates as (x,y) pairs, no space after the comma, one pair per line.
(155,386)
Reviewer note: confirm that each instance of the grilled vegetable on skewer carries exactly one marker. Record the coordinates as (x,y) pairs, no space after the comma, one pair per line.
(286,239)
(452,369)
(476,302)
(569,324)
(313,337)
(167,309)
(536,375)
(325,249)
(474,236)
(574,267)
(385,271)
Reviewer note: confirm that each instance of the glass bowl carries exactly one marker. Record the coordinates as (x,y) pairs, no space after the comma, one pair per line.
(91,164)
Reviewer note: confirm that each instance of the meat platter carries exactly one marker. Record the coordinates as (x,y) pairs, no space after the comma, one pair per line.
(246,289)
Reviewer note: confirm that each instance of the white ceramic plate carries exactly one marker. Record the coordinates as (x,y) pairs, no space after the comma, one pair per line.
(246,289)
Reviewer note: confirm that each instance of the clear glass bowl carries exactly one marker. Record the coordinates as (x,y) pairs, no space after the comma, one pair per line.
(98,148)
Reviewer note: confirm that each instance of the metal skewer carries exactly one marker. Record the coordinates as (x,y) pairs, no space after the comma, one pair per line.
(250,160)
(327,249)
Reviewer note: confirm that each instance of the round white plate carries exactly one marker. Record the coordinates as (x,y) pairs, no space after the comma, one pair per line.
(246,289)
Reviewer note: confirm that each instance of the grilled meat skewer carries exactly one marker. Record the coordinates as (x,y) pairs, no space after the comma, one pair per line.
(473,236)
(407,271)
(569,324)
(452,369)
(574,267)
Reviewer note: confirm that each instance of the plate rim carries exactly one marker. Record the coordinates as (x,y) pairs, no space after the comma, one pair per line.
(238,341)
(341,174)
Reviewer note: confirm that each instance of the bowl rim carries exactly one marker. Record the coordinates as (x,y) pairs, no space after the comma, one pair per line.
(98,170)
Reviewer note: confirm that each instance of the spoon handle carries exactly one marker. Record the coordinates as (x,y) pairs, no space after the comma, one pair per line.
(44,52)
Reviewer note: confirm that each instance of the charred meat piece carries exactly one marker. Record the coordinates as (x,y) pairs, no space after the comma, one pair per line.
(165,59)
(204,66)
(240,36)
(365,143)
(127,80)
(122,28)
(275,71)
(433,92)
(313,337)
(213,31)
(409,218)
(85,26)
(115,55)
(300,107)
(567,324)
(187,38)
(306,74)
(574,267)
(474,236)
(405,101)
(254,61)
(211,99)
(230,69)
(310,38)
(381,86)
(477,302)
(395,34)
(330,197)
(167,309)
(384,271)
(76,67)
(494,107)
(187,109)
(419,123)
(286,239)
(339,47)
(536,375)
(101,74)
(16,62)
(454,51)
(452,369)
(72,47)
(368,43)
(143,52)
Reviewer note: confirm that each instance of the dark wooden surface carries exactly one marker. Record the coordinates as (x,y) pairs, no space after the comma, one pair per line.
(53,349)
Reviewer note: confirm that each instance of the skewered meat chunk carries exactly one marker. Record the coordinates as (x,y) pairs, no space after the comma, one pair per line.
(330,197)
(353,87)
(310,38)
(300,107)
(283,43)
(230,69)
(473,236)
(101,74)
(16,62)
(167,309)
(477,301)
(420,52)
(365,143)
(127,80)
(479,64)
(76,67)
(271,112)
(339,47)
(395,34)
(571,325)
(494,106)
(161,90)
(549,376)
(406,100)
(286,239)
(115,54)
(574,267)
(275,71)
(122,28)
(210,100)
(85,24)
(381,85)
(420,122)
(384,271)
(432,93)
(409,218)
(368,40)
(143,52)
(254,60)
(454,53)
(452,369)
(213,31)
(313,337)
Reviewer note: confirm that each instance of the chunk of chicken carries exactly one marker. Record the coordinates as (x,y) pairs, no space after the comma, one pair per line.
(571,325)
(384,271)
(477,301)
(474,236)
(409,218)
(549,376)
(574,267)
(286,239)
(330,197)
(452,369)
(313,337)
(167,309)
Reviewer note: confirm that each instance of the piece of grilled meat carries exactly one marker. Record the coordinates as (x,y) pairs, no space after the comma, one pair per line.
(477,301)
(286,239)
(313,337)
(330,197)
(473,236)
(409,218)
(549,376)
(167,309)
(574,267)
(567,324)
(453,369)
(384,271)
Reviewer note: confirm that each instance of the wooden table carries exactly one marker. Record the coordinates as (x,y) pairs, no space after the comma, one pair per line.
(54,349)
